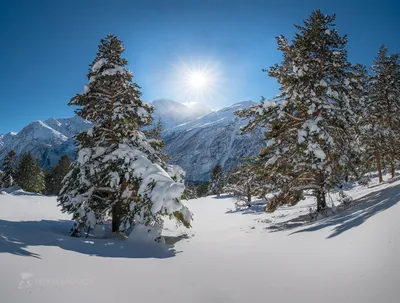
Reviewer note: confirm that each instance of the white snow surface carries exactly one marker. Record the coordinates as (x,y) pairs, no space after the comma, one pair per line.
(228,255)
(99,64)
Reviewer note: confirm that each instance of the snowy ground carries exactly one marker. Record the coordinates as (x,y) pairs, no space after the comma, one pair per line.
(228,255)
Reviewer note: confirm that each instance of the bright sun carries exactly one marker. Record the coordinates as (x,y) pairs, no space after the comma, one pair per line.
(198,80)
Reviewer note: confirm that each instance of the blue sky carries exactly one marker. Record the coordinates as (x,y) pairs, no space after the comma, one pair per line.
(47,46)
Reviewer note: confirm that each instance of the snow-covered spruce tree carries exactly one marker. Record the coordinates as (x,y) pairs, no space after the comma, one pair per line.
(118,172)
(216,180)
(9,169)
(29,175)
(381,129)
(308,127)
(53,179)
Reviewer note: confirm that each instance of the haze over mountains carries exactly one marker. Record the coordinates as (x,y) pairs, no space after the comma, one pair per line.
(174,113)
(196,137)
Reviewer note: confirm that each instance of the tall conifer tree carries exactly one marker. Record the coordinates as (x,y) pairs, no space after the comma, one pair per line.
(381,131)
(311,123)
(54,178)
(9,169)
(217,180)
(118,172)
(29,174)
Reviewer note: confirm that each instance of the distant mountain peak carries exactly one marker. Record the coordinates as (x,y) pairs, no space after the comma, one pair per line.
(47,140)
(172,113)
(224,115)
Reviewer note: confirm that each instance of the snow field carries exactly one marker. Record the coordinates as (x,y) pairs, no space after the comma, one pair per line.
(228,255)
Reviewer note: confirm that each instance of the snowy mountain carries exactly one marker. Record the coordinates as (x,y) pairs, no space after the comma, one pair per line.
(6,138)
(46,140)
(174,113)
(196,137)
(197,146)
(68,126)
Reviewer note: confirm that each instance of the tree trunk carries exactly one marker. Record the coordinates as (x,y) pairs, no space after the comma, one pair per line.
(248,197)
(321,201)
(392,169)
(346,178)
(379,166)
(116,217)
(320,193)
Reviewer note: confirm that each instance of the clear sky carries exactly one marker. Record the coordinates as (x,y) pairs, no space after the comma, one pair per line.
(47,46)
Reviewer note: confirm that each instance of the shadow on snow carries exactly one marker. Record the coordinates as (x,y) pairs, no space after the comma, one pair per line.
(223,196)
(255,208)
(17,237)
(347,218)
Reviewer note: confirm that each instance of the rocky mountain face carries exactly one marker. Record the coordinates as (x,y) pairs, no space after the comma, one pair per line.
(199,145)
(196,137)
(45,140)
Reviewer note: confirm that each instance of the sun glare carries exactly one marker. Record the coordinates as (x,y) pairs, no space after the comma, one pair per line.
(198,81)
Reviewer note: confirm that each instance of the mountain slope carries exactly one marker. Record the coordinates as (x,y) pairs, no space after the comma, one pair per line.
(68,126)
(174,113)
(6,138)
(197,146)
(45,140)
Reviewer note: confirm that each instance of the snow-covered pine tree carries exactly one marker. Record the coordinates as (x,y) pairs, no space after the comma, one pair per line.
(53,179)
(381,131)
(216,180)
(118,172)
(358,91)
(241,182)
(307,127)
(29,175)
(9,169)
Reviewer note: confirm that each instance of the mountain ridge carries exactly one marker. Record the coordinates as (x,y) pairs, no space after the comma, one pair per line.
(204,139)
(197,146)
